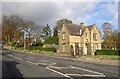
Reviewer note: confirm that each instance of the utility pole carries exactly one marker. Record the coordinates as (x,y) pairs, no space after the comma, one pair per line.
(24,42)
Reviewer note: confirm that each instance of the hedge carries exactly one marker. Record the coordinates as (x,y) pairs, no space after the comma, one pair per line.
(107,52)
(34,48)
(40,48)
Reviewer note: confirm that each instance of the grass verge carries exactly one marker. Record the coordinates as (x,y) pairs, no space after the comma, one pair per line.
(104,56)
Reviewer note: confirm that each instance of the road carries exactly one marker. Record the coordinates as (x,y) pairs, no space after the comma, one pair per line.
(22,65)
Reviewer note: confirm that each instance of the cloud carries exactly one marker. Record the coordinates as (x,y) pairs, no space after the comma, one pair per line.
(104,12)
(60,1)
(111,13)
(49,12)
(38,12)
(46,12)
(0,12)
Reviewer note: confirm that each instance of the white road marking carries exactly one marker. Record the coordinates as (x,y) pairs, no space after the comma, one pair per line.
(18,58)
(86,75)
(31,62)
(59,67)
(15,57)
(59,72)
(49,64)
(31,58)
(45,61)
(20,55)
(72,67)
(42,64)
(88,70)
(10,55)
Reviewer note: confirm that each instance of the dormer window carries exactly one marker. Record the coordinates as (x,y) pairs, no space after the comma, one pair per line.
(63,35)
(95,36)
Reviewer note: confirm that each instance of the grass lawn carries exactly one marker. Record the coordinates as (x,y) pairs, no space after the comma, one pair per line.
(104,56)
(39,49)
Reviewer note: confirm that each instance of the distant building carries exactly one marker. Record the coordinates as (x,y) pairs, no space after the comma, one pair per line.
(79,39)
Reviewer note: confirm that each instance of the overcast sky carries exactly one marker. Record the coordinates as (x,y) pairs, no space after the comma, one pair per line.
(44,12)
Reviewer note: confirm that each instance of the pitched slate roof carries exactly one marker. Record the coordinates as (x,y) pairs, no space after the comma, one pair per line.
(74,29)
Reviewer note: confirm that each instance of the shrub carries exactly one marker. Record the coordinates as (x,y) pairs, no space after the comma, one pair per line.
(11,43)
(34,48)
(107,52)
(49,49)
(39,43)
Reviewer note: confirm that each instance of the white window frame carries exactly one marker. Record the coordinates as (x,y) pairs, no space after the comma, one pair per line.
(95,36)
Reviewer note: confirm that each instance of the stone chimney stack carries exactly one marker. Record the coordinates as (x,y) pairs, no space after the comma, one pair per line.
(82,24)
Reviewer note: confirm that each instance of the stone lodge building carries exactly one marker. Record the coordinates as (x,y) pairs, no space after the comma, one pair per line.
(79,39)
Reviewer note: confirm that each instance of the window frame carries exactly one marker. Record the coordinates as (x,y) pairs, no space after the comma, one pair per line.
(95,36)
(86,36)
(63,35)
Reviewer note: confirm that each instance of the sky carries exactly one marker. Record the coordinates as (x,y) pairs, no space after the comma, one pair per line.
(44,12)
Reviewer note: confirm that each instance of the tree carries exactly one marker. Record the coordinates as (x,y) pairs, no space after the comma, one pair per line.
(60,23)
(52,39)
(110,36)
(57,29)
(0,32)
(55,35)
(118,41)
(10,28)
(14,28)
(47,32)
(49,40)
(27,27)
(37,32)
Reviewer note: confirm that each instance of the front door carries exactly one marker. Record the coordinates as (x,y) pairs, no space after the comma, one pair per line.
(71,50)
(76,49)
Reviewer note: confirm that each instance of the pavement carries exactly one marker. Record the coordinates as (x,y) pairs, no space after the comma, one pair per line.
(19,64)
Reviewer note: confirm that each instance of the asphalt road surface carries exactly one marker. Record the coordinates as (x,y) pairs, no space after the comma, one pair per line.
(23,65)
